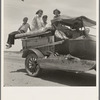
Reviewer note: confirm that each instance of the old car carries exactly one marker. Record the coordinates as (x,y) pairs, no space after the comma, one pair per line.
(72,48)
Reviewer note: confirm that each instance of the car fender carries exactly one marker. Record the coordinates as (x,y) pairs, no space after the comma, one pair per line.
(29,51)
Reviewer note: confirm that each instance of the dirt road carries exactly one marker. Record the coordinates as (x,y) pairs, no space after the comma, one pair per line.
(15,75)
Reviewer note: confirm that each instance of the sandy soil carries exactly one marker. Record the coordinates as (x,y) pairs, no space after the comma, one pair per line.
(15,75)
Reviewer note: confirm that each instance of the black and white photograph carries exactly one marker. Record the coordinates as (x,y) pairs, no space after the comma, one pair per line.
(50,44)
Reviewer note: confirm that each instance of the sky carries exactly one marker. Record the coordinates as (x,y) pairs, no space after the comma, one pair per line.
(15,10)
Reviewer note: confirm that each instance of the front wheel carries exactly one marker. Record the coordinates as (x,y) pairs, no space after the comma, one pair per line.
(31,65)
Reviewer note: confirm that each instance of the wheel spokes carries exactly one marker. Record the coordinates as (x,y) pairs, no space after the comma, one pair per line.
(30,61)
(32,65)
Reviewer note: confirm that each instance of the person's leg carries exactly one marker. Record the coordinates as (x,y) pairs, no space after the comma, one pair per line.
(11,38)
(51,39)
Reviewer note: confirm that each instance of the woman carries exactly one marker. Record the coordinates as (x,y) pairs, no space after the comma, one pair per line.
(58,26)
(56,12)
(37,23)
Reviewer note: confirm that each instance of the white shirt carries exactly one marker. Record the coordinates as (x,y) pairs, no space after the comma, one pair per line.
(36,23)
(44,24)
(25,27)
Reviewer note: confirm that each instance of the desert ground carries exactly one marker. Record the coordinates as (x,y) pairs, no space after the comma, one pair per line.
(16,75)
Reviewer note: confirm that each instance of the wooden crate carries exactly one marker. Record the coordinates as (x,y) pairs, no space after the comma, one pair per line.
(34,42)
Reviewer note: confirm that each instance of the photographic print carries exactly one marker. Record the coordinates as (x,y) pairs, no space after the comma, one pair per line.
(50,43)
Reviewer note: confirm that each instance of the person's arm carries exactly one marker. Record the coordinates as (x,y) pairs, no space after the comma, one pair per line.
(20,27)
(29,28)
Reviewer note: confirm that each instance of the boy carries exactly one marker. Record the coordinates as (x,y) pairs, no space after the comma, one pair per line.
(44,19)
(23,28)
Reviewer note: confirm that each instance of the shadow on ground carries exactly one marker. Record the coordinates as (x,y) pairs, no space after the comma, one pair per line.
(66,78)
(70,78)
(19,70)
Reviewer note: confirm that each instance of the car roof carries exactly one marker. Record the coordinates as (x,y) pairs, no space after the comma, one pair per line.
(81,20)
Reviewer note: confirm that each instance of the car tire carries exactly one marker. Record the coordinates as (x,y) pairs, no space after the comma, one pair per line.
(31,65)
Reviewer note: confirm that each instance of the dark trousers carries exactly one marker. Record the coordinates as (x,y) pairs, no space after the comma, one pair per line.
(11,37)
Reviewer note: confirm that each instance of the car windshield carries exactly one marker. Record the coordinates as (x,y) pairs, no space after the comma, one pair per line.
(92,30)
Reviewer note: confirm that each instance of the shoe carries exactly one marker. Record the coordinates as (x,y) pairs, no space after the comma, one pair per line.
(8,46)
